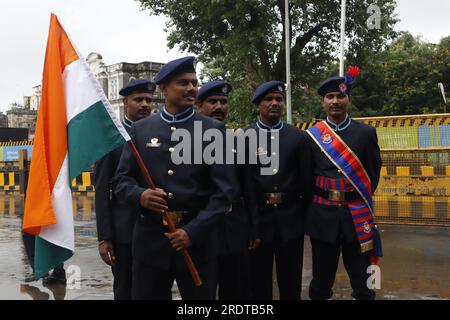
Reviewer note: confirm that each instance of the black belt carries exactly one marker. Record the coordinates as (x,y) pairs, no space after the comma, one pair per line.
(179,218)
(274,199)
(337,195)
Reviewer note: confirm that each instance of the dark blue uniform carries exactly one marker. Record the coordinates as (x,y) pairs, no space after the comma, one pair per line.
(202,192)
(280,226)
(330,227)
(233,264)
(233,230)
(115,219)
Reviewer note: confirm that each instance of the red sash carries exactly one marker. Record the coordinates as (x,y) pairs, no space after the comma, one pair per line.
(348,163)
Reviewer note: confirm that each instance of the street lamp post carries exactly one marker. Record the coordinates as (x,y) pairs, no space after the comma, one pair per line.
(288,63)
(442,92)
(341,64)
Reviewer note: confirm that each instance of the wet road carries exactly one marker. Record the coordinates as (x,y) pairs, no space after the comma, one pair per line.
(15,274)
(416,263)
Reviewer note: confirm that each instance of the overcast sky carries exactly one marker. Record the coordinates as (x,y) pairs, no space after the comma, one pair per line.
(122,33)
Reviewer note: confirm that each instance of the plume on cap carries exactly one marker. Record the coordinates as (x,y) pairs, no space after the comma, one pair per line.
(352,73)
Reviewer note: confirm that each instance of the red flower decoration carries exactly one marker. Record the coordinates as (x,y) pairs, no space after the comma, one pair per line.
(353,71)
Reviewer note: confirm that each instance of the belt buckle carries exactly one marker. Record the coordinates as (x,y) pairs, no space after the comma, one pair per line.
(336,195)
(175,216)
(274,198)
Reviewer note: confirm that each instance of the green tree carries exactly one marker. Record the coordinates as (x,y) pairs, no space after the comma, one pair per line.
(403,78)
(244,40)
(443,55)
(410,76)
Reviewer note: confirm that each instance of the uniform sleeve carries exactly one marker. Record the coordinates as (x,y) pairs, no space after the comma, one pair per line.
(251,202)
(373,159)
(306,178)
(125,183)
(250,195)
(103,174)
(218,203)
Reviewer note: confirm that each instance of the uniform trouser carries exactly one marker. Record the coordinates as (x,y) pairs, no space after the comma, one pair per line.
(154,283)
(234,276)
(122,271)
(29,243)
(325,262)
(289,265)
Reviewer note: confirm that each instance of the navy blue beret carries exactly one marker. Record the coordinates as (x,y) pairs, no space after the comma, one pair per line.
(138,85)
(214,88)
(262,90)
(175,67)
(334,84)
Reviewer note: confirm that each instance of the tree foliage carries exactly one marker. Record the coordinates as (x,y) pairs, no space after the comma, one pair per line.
(403,78)
(243,41)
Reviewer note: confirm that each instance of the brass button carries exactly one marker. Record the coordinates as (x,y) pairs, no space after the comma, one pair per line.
(170,172)
(275,170)
(272,137)
(171,149)
(274,153)
(173,128)
(339,171)
(170,195)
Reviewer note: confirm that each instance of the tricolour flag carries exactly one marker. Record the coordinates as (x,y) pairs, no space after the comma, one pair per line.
(75,127)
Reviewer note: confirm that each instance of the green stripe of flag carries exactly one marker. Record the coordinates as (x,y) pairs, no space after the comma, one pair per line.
(47,256)
(91,135)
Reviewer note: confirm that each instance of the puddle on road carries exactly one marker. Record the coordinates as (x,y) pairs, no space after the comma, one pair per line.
(416,263)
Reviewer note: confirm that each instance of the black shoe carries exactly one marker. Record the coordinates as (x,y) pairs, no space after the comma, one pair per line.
(57,276)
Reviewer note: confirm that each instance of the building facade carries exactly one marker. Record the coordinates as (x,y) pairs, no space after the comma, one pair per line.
(3,120)
(22,117)
(112,78)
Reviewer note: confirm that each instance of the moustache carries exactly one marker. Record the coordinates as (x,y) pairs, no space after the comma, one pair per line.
(218,112)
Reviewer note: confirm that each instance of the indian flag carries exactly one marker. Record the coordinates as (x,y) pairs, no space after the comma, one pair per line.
(75,127)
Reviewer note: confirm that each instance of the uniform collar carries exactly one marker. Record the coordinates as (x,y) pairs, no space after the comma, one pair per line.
(180,117)
(127,122)
(261,125)
(341,126)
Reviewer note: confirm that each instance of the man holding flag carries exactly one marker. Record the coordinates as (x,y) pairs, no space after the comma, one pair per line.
(347,163)
(76,126)
(195,195)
